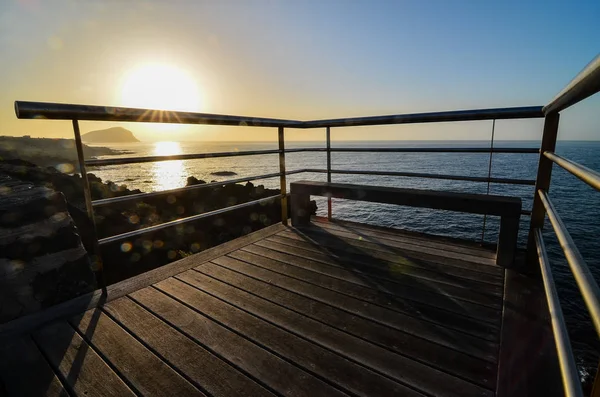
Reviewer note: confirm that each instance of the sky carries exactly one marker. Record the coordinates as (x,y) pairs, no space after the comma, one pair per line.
(298,60)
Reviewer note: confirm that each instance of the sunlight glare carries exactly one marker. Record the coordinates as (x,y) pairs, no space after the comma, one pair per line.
(160,86)
(168,174)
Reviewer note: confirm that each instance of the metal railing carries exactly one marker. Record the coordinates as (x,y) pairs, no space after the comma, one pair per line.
(75,113)
(587,83)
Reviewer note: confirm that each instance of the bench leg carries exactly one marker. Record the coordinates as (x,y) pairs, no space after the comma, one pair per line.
(507,241)
(300,209)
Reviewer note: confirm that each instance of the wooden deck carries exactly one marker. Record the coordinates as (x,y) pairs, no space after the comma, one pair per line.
(332,309)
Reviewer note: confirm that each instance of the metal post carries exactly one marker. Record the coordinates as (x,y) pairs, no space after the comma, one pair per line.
(328,134)
(489,176)
(282,179)
(542,182)
(95,256)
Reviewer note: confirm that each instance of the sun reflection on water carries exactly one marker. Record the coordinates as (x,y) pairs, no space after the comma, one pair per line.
(167,174)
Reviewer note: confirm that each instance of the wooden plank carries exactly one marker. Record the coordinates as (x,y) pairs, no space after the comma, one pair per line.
(25,372)
(270,369)
(443,200)
(69,308)
(349,256)
(201,367)
(403,369)
(372,264)
(417,326)
(528,365)
(423,300)
(448,360)
(458,288)
(144,371)
(435,317)
(384,236)
(347,248)
(340,371)
(426,251)
(362,247)
(77,364)
(386,266)
(391,231)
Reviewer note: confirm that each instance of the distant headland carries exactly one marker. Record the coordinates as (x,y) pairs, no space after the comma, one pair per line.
(113,134)
(58,153)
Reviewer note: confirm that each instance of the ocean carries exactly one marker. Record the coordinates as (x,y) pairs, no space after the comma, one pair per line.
(577,203)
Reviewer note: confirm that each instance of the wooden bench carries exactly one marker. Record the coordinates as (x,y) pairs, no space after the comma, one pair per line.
(508,208)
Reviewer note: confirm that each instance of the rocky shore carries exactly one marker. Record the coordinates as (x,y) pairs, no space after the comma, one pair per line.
(58,153)
(130,257)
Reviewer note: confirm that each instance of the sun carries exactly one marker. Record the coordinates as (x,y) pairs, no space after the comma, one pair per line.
(160,86)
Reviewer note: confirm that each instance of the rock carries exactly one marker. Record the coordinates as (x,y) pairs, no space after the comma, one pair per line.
(223,173)
(56,153)
(42,259)
(192,180)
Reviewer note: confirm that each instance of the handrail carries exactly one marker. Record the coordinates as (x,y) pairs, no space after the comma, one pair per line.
(568,368)
(63,111)
(439,150)
(439,176)
(587,285)
(585,84)
(60,111)
(180,221)
(582,172)
(141,196)
(525,112)
(196,156)
(153,159)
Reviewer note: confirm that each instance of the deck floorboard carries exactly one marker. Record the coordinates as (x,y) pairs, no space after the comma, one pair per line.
(80,367)
(374,289)
(449,360)
(202,368)
(389,311)
(142,369)
(332,309)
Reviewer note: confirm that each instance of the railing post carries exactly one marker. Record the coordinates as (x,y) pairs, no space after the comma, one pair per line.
(282,178)
(328,135)
(95,256)
(542,182)
(488,176)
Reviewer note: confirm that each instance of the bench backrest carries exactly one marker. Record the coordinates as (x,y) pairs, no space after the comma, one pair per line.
(508,208)
(442,200)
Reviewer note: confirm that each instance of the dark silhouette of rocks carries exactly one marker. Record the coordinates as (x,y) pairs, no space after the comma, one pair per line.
(223,173)
(131,257)
(46,152)
(42,259)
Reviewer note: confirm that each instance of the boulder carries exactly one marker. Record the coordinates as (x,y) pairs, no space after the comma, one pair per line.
(42,259)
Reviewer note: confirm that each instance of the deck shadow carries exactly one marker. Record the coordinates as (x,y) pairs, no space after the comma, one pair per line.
(341,255)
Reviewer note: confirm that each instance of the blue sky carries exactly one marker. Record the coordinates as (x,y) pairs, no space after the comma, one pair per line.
(306,60)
